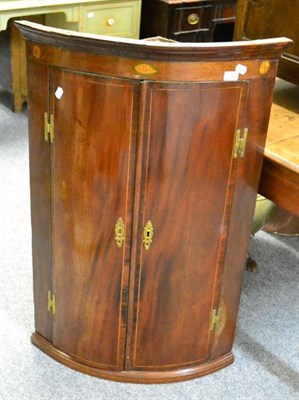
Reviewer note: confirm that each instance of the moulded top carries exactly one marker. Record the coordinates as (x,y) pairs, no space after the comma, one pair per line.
(156,50)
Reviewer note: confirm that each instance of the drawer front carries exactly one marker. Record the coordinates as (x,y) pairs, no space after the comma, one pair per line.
(193,18)
(118,19)
(225,12)
(228,10)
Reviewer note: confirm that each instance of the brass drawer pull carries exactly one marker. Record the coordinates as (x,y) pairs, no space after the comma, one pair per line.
(110,21)
(148,233)
(120,232)
(193,19)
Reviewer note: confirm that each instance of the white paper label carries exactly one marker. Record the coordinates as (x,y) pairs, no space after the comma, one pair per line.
(59,93)
(241,69)
(90,15)
(231,76)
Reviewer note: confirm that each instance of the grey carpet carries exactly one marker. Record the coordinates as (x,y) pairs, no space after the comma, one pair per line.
(267,341)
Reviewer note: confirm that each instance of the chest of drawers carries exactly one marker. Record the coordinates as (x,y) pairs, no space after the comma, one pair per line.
(189,21)
(272,18)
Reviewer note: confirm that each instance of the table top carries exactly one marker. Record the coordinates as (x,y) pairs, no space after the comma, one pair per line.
(280,173)
(21,4)
(283,132)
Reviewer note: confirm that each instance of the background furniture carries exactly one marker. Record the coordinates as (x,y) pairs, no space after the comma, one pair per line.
(116,18)
(13,62)
(142,192)
(189,20)
(272,18)
(280,173)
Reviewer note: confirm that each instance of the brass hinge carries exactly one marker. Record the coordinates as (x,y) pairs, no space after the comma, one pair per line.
(51,302)
(240,143)
(216,319)
(49,128)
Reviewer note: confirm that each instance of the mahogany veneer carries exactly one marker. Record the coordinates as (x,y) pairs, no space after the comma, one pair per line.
(141,213)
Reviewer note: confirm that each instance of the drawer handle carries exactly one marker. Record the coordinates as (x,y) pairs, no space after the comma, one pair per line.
(120,232)
(193,19)
(148,233)
(110,21)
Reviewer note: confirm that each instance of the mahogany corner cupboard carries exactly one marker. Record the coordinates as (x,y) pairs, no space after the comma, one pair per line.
(145,160)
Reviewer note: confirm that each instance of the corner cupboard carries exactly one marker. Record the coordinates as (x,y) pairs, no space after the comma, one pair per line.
(145,160)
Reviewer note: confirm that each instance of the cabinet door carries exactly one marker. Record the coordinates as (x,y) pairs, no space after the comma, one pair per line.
(187,182)
(92,170)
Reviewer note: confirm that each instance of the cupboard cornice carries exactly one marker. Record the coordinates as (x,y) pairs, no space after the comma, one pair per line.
(94,44)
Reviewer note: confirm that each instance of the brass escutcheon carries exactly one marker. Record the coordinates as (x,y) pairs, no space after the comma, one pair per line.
(193,19)
(148,233)
(265,67)
(120,232)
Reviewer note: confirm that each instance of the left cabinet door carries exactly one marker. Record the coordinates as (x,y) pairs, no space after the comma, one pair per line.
(92,174)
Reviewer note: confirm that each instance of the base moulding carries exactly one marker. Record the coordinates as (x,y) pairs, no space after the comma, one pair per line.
(132,376)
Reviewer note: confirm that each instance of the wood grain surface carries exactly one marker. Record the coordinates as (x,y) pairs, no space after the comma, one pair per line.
(187,196)
(92,169)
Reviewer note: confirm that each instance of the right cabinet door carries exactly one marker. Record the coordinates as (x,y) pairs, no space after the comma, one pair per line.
(187,183)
